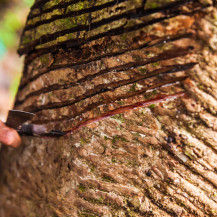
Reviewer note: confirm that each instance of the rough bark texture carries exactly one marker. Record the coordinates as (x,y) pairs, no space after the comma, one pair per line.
(89,60)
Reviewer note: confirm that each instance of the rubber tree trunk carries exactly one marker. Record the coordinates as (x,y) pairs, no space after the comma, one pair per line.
(133,83)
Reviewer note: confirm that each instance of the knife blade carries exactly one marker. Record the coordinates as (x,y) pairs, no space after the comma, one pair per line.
(17,120)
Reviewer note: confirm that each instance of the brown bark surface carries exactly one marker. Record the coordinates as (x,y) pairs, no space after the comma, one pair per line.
(134,85)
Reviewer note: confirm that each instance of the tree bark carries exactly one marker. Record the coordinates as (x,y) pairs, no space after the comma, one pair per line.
(133,84)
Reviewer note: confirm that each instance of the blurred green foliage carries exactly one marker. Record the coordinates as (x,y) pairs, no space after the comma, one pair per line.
(28,3)
(2,49)
(12,21)
(8,29)
(14,85)
(11,25)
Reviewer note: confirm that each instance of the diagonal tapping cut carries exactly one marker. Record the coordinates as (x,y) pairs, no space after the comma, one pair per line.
(159,98)
(168,82)
(90,107)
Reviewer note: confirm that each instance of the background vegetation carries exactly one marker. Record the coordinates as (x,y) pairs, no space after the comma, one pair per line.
(12,19)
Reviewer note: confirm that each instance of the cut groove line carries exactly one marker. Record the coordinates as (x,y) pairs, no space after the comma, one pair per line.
(107,87)
(162,40)
(78,42)
(117,98)
(159,98)
(163,56)
(92,106)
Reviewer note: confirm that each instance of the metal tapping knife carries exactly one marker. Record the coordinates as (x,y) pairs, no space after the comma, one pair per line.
(16,120)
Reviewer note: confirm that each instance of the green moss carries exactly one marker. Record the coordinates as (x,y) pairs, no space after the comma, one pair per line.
(133,87)
(92,168)
(156,64)
(101,199)
(107,178)
(81,187)
(113,160)
(137,58)
(118,138)
(132,163)
(120,103)
(200,86)
(123,37)
(25,39)
(156,3)
(114,139)
(152,106)
(79,6)
(153,5)
(143,70)
(150,94)
(154,92)
(86,214)
(83,141)
(190,155)
(103,145)
(119,117)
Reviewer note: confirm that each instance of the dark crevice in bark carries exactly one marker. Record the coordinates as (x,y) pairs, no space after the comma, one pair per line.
(86,96)
(200,122)
(74,44)
(118,98)
(58,6)
(106,5)
(164,56)
(198,174)
(160,206)
(202,139)
(162,40)
(205,192)
(111,86)
(122,30)
(137,210)
(95,105)
(78,42)
(172,153)
(179,202)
